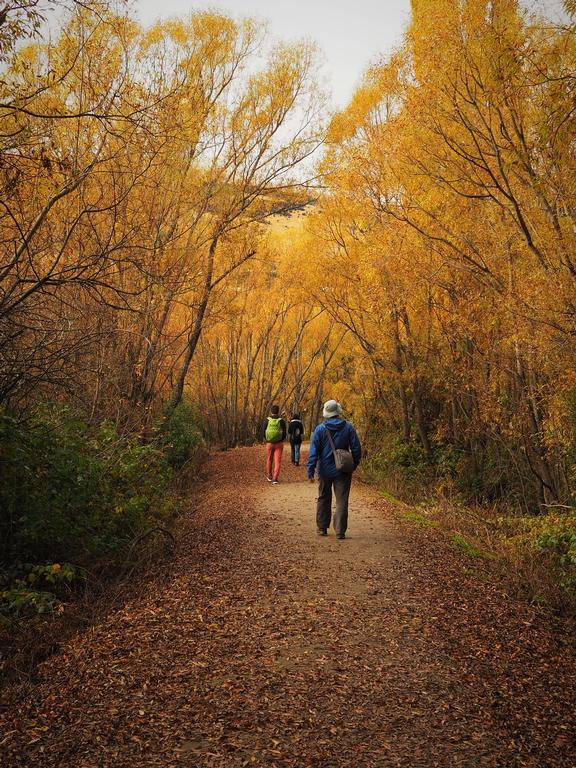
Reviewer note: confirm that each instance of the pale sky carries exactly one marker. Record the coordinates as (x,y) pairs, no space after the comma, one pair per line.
(350,33)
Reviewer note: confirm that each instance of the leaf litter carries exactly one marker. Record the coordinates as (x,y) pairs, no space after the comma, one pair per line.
(269,646)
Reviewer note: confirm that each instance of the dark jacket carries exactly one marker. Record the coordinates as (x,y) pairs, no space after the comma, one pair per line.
(294,426)
(321,455)
(282,426)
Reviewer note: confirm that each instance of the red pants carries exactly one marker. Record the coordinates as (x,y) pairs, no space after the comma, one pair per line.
(273,453)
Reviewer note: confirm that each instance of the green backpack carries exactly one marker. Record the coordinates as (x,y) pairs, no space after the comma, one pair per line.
(274,430)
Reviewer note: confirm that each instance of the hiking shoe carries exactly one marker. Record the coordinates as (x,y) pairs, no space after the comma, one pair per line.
(340,536)
(321,531)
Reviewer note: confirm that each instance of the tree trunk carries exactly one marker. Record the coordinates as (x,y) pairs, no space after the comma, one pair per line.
(194,336)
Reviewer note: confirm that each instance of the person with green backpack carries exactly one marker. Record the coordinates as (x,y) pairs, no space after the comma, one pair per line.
(275,435)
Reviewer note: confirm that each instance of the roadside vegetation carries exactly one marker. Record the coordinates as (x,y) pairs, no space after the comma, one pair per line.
(534,551)
(83,506)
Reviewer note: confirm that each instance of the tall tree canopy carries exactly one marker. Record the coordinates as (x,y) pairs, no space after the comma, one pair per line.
(148,177)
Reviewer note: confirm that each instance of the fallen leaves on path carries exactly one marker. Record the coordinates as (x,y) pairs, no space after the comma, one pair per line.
(269,646)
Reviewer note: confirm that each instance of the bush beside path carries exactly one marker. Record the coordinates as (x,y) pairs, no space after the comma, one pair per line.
(267,645)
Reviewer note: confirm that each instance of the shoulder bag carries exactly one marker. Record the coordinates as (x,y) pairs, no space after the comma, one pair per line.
(342,458)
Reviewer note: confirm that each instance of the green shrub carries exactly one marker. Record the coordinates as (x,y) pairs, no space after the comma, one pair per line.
(52,575)
(72,494)
(496,472)
(182,436)
(554,535)
(38,593)
(407,471)
(18,603)
(542,551)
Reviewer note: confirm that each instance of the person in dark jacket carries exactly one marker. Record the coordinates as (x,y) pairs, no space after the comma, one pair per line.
(275,434)
(295,431)
(321,459)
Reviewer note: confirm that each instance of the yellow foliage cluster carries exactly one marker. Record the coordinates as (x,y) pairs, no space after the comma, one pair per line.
(450,232)
(137,169)
(147,179)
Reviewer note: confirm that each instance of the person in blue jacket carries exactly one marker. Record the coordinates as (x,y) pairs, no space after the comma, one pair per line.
(321,459)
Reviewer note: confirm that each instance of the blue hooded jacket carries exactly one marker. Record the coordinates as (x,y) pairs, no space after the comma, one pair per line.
(321,456)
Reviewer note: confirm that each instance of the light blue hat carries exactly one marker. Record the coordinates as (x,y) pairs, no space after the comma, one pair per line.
(331,408)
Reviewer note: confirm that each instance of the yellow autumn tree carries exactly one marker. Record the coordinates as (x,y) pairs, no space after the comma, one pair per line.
(449,218)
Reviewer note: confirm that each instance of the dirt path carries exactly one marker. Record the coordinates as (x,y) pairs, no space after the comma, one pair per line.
(266,645)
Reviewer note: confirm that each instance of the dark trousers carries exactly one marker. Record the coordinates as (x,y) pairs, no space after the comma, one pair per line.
(295,451)
(341,486)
